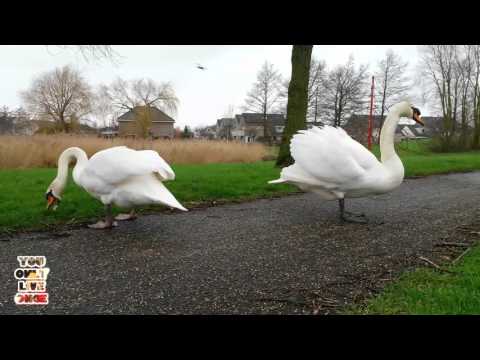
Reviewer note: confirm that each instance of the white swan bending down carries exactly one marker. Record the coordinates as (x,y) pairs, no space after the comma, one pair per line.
(117,176)
(330,163)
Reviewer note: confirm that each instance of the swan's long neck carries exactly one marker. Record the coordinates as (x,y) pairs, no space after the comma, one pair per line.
(387,136)
(390,159)
(73,153)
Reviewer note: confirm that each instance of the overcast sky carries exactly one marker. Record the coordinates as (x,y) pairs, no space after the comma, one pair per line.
(204,95)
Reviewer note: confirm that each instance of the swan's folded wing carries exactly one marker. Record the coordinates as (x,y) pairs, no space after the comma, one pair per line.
(119,163)
(330,155)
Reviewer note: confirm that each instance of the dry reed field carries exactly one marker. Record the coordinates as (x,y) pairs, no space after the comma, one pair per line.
(43,150)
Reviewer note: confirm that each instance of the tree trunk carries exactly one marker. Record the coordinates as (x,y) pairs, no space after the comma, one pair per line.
(297,100)
(266,130)
(63,124)
(476,122)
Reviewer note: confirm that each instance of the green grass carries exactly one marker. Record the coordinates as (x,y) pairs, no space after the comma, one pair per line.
(430,292)
(419,161)
(22,192)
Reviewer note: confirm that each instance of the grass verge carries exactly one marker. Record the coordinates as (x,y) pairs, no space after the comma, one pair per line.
(430,292)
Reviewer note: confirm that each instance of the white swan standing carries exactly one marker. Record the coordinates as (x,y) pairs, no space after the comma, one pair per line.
(116,176)
(330,163)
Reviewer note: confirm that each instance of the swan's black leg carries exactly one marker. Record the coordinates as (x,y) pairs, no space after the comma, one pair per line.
(108,223)
(348,216)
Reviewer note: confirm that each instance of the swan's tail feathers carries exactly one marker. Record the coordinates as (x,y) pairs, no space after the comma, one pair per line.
(278,181)
(180,207)
(282,179)
(165,197)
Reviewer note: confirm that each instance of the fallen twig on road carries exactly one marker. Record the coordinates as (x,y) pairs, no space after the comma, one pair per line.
(288,301)
(461,255)
(435,265)
(317,307)
(458,244)
(469,230)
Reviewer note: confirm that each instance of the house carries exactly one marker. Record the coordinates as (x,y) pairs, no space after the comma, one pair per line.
(108,132)
(85,127)
(206,132)
(224,128)
(16,125)
(249,127)
(162,125)
(357,127)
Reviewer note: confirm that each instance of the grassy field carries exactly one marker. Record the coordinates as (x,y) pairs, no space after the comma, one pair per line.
(22,192)
(430,292)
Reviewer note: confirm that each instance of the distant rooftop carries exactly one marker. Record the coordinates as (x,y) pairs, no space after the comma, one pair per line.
(157,114)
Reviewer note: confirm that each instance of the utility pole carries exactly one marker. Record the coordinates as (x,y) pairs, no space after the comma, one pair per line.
(370,118)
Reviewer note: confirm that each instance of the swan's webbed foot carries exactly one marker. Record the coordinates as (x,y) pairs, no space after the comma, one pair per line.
(108,223)
(346,216)
(348,213)
(103,225)
(353,218)
(124,217)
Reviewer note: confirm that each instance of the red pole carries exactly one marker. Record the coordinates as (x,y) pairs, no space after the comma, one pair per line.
(370,119)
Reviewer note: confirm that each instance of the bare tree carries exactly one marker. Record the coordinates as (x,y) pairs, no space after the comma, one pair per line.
(126,95)
(345,91)
(391,82)
(5,111)
(265,95)
(143,119)
(297,100)
(439,66)
(140,95)
(315,88)
(464,76)
(104,109)
(475,54)
(95,52)
(62,95)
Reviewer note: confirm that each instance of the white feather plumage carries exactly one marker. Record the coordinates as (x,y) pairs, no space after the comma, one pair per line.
(119,176)
(335,166)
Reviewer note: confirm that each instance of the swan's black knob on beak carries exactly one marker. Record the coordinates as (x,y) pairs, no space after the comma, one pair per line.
(416,116)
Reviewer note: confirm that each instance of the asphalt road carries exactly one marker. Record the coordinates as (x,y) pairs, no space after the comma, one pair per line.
(283,256)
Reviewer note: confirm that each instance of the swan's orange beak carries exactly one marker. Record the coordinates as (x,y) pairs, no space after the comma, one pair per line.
(418,119)
(51,202)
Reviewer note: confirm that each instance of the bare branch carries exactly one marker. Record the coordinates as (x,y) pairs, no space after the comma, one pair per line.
(61,95)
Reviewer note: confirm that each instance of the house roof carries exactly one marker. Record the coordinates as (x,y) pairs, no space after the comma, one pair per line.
(255,118)
(157,115)
(108,128)
(225,121)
